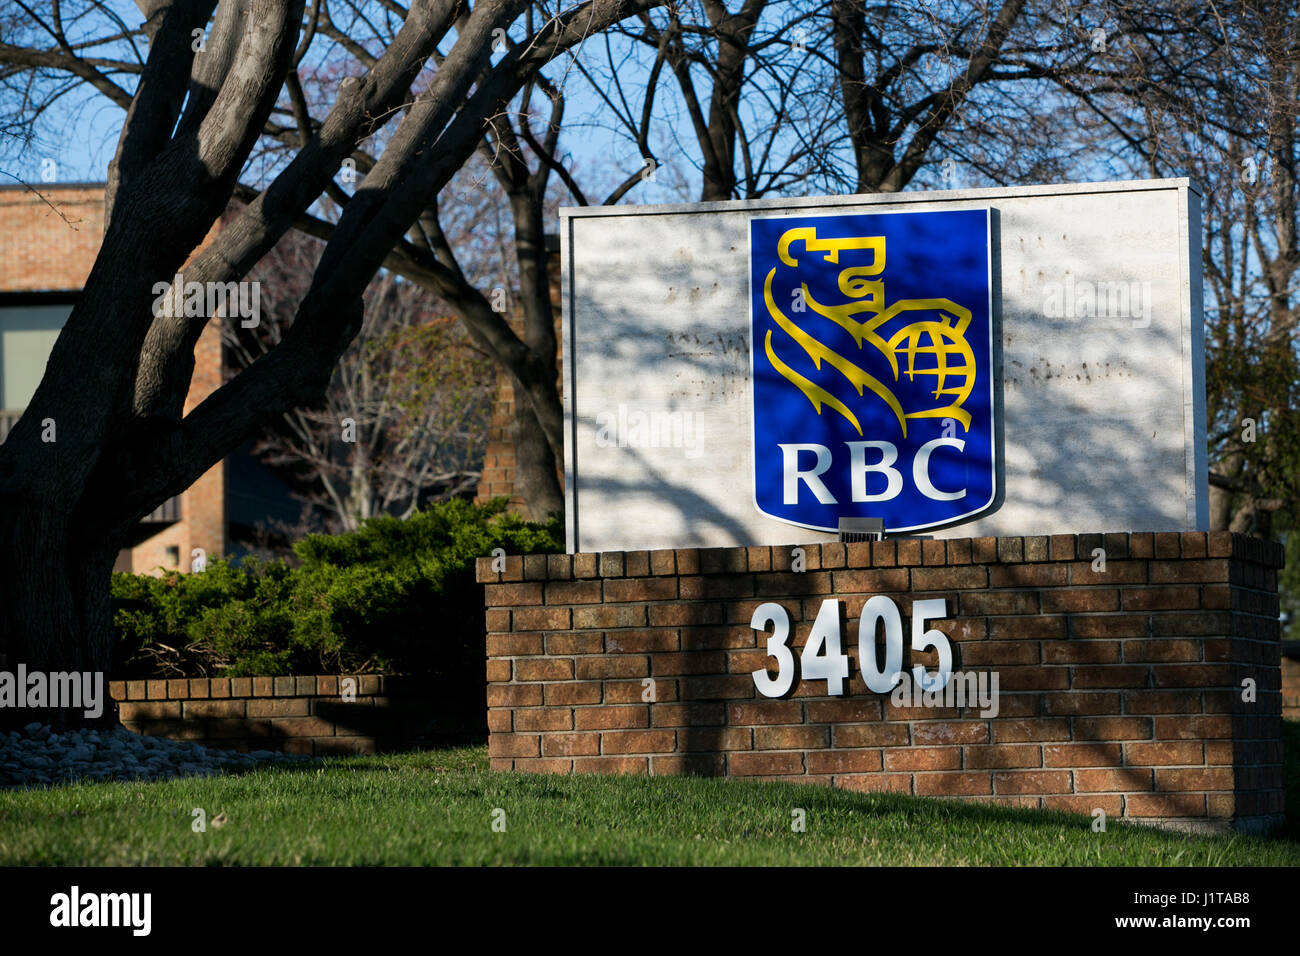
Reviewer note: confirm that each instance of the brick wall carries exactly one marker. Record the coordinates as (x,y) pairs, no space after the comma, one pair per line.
(498,474)
(302,715)
(497,478)
(1119,690)
(51,243)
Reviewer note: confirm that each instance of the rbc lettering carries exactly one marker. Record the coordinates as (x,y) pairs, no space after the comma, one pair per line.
(859,468)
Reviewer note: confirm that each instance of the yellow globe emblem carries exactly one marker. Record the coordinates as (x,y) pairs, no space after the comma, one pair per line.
(943,353)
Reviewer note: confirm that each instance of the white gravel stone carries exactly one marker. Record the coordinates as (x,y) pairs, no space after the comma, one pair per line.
(38,757)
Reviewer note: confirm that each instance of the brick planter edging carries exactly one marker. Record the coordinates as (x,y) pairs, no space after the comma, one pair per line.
(299,714)
(1120,690)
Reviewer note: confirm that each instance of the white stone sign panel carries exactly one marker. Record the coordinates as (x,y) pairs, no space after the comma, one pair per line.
(1097,373)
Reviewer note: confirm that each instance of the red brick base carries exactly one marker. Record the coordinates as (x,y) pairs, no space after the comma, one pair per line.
(1120,690)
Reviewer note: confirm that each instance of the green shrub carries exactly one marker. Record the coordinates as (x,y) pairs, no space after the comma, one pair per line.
(396,596)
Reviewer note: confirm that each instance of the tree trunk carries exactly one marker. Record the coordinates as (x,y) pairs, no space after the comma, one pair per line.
(1220,508)
(536,479)
(117,392)
(54,606)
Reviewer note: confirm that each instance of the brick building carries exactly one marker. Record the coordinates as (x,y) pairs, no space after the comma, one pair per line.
(48,243)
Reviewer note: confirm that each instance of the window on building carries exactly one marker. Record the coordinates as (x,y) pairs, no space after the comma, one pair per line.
(27,334)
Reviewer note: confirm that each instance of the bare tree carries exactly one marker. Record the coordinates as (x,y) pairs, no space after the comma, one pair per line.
(782,96)
(113,391)
(404,420)
(1215,94)
(517,162)
(736,93)
(926,86)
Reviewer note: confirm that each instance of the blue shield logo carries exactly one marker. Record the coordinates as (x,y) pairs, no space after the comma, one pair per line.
(872,362)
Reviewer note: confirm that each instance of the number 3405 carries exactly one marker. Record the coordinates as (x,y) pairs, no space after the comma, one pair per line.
(823,659)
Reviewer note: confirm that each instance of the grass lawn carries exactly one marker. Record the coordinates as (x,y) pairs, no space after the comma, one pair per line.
(437,808)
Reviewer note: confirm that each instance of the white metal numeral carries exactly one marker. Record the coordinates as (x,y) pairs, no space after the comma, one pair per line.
(923,611)
(822,656)
(779,686)
(880,680)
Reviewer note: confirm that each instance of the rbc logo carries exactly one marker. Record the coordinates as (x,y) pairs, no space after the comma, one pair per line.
(872,362)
